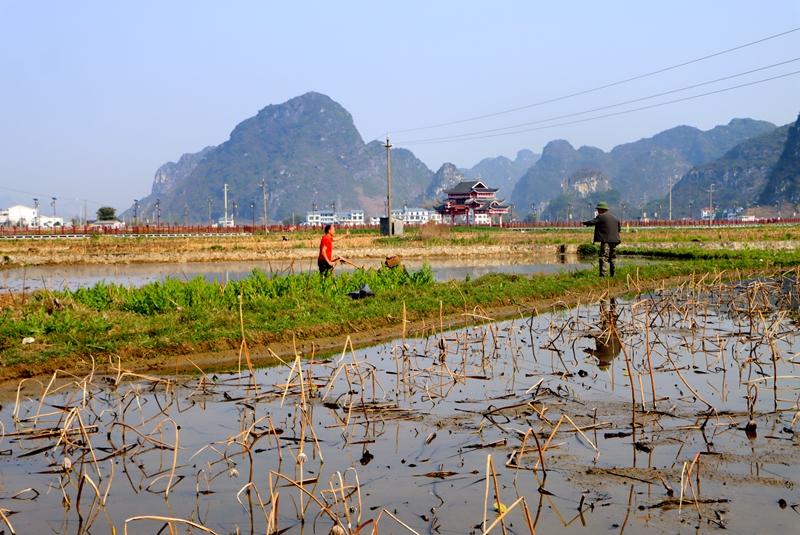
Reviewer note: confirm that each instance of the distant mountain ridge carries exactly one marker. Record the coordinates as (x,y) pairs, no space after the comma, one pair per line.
(310,154)
(501,172)
(739,176)
(172,173)
(444,179)
(641,170)
(783,182)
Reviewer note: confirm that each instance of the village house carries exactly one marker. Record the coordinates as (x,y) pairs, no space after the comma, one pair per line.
(25,216)
(348,218)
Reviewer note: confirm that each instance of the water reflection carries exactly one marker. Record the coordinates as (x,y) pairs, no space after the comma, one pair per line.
(78,276)
(409,426)
(607,342)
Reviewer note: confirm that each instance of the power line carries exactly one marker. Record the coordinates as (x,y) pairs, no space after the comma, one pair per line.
(40,194)
(623,112)
(600,108)
(598,88)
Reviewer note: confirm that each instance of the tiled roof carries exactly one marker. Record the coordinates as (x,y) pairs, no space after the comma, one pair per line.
(469,185)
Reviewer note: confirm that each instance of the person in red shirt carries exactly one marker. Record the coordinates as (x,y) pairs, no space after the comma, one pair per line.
(326,261)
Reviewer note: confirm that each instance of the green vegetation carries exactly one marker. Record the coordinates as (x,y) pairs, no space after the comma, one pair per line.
(184,316)
(256,290)
(106,213)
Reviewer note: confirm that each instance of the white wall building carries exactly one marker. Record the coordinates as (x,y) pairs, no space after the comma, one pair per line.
(24,216)
(481,219)
(348,218)
(44,221)
(351,218)
(409,216)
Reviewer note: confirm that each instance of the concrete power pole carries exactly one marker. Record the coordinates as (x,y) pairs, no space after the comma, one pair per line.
(264,199)
(670,197)
(388,146)
(225,200)
(710,203)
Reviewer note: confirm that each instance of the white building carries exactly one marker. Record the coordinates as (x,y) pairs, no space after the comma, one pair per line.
(316,218)
(112,224)
(416,216)
(351,218)
(481,219)
(348,218)
(44,221)
(24,216)
(409,216)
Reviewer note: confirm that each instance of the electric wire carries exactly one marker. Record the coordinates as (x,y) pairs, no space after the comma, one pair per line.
(600,87)
(600,108)
(604,116)
(48,196)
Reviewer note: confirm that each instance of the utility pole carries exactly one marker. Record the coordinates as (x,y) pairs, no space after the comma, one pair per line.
(36,209)
(53,204)
(264,200)
(710,203)
(158,212)
(253,212)
(135,212)
(208,200)
(233,216)
(670,197)
(389,187)
(225,200)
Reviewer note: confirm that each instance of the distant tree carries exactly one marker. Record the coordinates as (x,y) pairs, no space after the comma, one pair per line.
(106,213)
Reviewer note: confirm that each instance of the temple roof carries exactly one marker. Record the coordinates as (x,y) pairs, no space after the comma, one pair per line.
(468,186)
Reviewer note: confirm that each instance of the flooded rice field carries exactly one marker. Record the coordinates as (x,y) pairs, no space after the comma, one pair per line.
(60,277)
(674,411)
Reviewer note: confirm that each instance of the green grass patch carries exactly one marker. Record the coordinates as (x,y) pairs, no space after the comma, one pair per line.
(183,316)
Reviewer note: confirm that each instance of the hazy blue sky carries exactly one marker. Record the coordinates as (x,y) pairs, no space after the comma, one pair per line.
(96,95)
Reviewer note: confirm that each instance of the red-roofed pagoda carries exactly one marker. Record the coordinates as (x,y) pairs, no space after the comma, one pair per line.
(473,203)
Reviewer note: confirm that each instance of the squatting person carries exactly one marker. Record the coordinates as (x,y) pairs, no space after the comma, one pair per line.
(326,261)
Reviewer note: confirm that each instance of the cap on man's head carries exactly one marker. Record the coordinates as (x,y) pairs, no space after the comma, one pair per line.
(602,205)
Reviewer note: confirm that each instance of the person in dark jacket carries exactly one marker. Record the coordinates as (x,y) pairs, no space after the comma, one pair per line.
(606,232)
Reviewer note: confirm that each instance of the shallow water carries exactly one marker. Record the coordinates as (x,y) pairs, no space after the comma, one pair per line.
(399,414)
(79,276)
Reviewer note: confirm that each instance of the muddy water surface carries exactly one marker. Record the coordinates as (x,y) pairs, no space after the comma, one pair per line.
(407,429)
(79,276)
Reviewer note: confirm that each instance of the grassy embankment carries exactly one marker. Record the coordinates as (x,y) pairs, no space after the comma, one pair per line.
(419,242)
(179,317)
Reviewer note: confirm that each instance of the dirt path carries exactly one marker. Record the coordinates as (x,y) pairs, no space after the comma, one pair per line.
(303,247)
